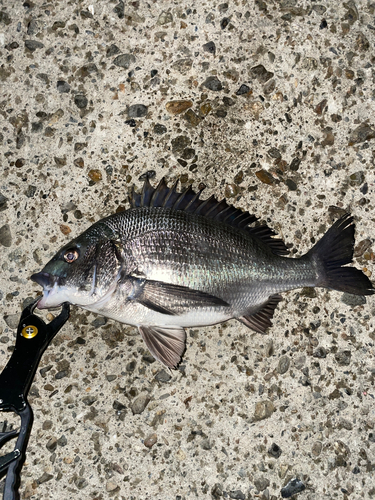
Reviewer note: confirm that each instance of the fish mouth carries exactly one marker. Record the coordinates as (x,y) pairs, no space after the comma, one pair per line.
(45,280)
(50,287)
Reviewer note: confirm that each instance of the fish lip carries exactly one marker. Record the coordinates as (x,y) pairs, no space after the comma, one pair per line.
(43,279)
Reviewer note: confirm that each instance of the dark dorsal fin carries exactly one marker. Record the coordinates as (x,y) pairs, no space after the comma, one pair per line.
(188,201)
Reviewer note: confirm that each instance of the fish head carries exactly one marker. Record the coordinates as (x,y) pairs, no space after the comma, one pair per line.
(83,271)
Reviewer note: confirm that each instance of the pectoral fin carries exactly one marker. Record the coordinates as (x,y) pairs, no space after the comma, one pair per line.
(167,344)
(170,299)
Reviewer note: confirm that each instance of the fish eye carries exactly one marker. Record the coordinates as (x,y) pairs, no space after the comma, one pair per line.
(71,255)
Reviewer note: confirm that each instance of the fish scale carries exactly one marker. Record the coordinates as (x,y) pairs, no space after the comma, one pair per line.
(200,257)
(174,261)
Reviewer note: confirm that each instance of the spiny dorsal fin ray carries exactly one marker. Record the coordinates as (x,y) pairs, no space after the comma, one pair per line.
(147,192)
(188,201)
(159,193)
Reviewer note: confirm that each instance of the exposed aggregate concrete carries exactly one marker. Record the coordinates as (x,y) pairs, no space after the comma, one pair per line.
(268,103)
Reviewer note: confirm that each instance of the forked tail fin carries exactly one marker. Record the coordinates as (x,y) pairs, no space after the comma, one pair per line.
(332,252)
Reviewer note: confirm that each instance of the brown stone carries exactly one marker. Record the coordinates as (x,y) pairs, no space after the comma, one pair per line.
(263,409)
(65,229)
(319,108)
(264,176)
(150,440)
(177,107)
(95,175)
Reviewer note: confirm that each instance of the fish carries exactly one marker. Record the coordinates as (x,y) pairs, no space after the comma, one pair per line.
(174,261)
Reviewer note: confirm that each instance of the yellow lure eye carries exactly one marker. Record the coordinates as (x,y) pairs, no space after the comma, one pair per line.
(29,332)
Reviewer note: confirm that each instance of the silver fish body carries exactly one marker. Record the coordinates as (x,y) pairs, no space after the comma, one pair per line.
(174,261)
(170,246)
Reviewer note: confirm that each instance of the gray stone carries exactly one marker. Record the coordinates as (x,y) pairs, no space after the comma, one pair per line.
(140,403)
(353,300)
(283,365)
(124,60)
(217,491)
(357,178)
(299,361)
(12,320)
(237,495)
(210,47)
(99,321)
(61,374)
(5,18)
(261,483)
(165,18)
(320,352)
(112,50)
(62,441)
(244,89)
(207,444)
(316,448)
(294,486)
(32,27)
(213,83)
(63,86)
(343,358)
(183,65)
(3,202)
(160,129)
(5,236)
(163,376)
(120,9)
(80,101)
(137,111)
(274,451)
(89,400)
(81,483)
(362,133)
(33,45)
(117,405)
(51,444)
(44,478)
(30,191)
(260,73)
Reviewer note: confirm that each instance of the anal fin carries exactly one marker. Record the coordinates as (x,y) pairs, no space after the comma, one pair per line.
(261,320)
(165,343)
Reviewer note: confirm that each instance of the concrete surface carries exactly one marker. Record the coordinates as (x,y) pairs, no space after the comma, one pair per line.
(277,114)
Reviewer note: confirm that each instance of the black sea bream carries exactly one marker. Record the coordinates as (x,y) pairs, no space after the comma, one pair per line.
(173,261)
